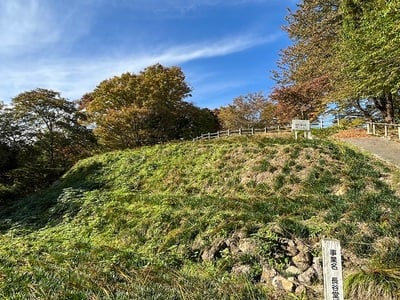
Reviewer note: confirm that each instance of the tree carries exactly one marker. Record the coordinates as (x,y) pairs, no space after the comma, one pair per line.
(313,28)
(370,51)
(352,47)
(13,133)
(52,127)
(133,110)
(251,110)
(194,121)
(41,136)
(303,101)
(162,91)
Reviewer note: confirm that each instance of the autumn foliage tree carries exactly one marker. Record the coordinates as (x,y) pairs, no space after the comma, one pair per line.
(146,108)
(308,68)
(251,110)
(300,101)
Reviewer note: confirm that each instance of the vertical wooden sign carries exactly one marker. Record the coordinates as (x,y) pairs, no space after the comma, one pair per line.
(332,267)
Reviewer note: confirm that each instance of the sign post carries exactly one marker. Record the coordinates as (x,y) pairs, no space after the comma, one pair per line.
(302,125)
(332,269)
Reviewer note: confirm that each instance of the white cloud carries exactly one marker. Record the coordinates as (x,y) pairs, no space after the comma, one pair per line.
(179,6)
(39,44)
(25,26)
(74,77)
(41,26)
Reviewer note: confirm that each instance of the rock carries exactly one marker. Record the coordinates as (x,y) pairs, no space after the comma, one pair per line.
(248,246)
(268,273)
(300,290)
(214,251)
(276,228)
(241,269)
(292,270)
(301,246)
(308,277)
(302,260)
(235,240)
(317,265)
(232,243)
(282,283)
(291,248)
(239,234)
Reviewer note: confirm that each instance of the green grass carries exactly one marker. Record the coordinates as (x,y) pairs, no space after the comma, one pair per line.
(134,224)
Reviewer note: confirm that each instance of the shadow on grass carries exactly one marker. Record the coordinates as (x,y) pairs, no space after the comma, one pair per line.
(52,205)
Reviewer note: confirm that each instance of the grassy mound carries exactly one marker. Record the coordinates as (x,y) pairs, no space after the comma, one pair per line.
(134,224)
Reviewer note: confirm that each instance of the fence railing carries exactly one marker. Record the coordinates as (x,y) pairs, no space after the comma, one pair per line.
(385,129)
(242,131)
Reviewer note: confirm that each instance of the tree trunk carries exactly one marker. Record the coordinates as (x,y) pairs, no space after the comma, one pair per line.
(385,105)
(389,109)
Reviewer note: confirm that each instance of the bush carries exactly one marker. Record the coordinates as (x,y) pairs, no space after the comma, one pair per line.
(7,194)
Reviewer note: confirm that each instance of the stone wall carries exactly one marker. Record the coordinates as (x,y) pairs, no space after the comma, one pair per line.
(285,264)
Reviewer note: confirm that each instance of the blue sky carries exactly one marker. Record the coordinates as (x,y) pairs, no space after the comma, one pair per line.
(226,48)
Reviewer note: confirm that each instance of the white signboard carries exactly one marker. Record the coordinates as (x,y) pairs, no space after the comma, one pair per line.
(332,266)
(301,125)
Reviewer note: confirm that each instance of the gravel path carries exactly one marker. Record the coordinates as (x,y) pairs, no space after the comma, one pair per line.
(381,147)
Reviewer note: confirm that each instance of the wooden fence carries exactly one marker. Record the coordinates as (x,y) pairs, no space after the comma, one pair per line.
(387,130)
(242,131)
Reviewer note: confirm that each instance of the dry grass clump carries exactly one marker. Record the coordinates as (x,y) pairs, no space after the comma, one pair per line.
(377,283)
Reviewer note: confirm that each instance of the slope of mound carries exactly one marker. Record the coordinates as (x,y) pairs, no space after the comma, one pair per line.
(239,217)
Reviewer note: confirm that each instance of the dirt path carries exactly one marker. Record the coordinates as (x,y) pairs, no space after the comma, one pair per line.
(379,146)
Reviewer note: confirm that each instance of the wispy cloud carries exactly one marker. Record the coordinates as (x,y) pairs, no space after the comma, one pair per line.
(43,44)
(181,6)
(25,25)
(30,26)
(212,49)
(74,77)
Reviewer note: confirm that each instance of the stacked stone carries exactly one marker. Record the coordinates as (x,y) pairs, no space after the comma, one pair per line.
(301,275)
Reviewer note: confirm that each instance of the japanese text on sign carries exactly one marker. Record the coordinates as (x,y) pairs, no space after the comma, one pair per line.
(332,266)
(301,125)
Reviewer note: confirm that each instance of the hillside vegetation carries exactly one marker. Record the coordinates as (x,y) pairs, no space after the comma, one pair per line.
(205,220)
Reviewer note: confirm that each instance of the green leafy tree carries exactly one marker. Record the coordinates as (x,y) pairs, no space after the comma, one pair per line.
(52,124)
(194,121)
(370,52)
(351,46)
(46,133)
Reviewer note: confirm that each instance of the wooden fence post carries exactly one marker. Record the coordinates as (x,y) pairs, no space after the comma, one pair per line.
(398,129)
(368,128)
